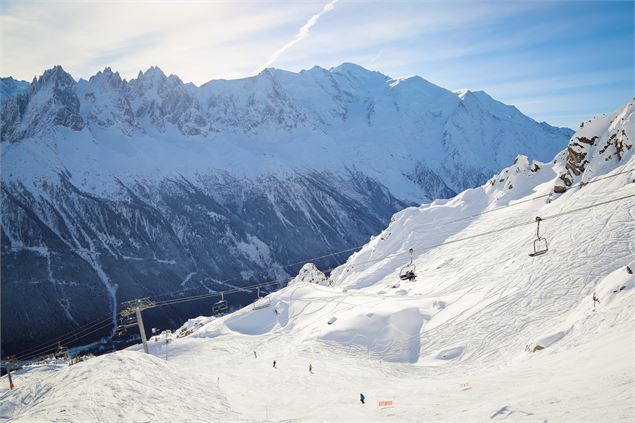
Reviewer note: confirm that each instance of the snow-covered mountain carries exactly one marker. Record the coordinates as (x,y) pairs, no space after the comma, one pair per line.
(10,87)
(485,333)
(116,189)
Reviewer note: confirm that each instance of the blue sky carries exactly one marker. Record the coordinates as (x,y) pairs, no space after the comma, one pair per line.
(558,61)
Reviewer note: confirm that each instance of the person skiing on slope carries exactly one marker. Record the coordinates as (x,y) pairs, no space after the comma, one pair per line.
(595,299)
(362,398)
(255,355)
(274,364)
(310,368)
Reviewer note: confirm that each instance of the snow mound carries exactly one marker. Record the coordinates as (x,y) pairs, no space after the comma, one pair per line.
(616,285)
(390,334)
(310,274)
(258,322)
(192,325)
(122,386)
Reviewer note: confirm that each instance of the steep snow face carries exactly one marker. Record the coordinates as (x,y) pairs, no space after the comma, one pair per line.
(485,332)
(115,189)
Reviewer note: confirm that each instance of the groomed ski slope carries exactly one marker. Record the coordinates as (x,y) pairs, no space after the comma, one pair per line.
(475,315)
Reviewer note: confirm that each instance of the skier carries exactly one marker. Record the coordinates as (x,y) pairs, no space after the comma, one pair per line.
(362,398)
(595,300)
(274,364)
(310,368)
(255,355)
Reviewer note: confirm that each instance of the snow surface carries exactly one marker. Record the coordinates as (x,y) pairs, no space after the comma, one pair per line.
(474,314)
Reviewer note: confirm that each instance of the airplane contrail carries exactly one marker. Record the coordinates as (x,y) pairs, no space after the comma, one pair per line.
(303,32)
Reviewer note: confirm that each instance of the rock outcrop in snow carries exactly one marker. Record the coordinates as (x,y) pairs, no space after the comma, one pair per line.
(605,138)
(309,274)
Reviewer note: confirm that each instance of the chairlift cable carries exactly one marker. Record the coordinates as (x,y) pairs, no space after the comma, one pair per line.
(70,334)
(428,247)
(75,333)
(437,225)
(50,347)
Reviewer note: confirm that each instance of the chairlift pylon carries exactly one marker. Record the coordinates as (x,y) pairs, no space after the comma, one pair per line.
(540,243)
(261,302)
(407,273)
(221,305)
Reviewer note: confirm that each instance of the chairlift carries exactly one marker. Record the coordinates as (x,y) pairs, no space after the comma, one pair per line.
(261,302)
(540,243)
(124,324)
(407,273)
(129,322)
(221,305)
(62,351)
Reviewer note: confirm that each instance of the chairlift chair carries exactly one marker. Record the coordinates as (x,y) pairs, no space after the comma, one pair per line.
(221,305)
(540,243)
(62,351)
(124,324)
(130,321)
(407,273)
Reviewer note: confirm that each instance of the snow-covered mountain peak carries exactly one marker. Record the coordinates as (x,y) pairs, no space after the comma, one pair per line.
(315,69)
(56,78)
(107,79)
(10,87)
(461,92)
(153,73)
(50,102)
(449,143)
(483,101)
(359,74)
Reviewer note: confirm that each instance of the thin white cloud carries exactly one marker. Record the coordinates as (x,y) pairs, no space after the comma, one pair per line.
(301,35)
